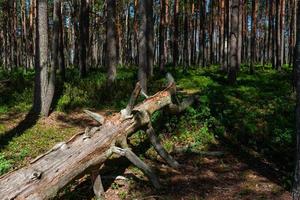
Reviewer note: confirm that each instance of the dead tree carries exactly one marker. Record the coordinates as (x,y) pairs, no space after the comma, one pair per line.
(85,152)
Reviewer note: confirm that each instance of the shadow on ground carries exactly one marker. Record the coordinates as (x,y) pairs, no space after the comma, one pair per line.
(29,121)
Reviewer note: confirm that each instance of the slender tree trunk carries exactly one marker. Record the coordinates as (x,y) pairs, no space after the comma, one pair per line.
(135,32)
(57,40)
(273,22)
(203,29)
(84,36)
(145,42)
(253,35)
(150,37)
(221,36)
(192,28)
(111,45)
(278,33)
(176,33)
(61,57)
(162,27)
(239,56)
(265,29)
(233,68)
(282,28)
(292,31)
(212,31)
(186,36)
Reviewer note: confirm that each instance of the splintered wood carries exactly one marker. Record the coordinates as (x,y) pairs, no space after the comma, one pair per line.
(46,175)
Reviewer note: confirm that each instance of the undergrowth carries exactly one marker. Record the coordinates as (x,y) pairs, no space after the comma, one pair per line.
(257,112)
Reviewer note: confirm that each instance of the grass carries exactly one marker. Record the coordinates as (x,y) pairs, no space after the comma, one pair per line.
(257,112)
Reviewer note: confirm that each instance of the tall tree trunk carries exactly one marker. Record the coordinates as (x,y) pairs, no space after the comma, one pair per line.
(292,31)
(61,57)
(265,29)
(135,32)
(239,53)
(282,28)
(192,40)
(221,36)
(232,71)
(203,32)
(186,36)
(253,35)
(111,45)
(176,33)
(44,82)
(278,33)
(57,40)
(84,36)
(145,42)
(296,184)
(273,22)
(150,37)
(162,29)
(212,31)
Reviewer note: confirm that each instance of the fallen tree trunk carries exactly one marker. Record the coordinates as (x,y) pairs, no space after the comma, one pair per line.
(84,152)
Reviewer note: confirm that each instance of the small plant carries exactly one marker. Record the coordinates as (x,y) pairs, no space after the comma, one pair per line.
(5,164)
(122,194)
(115,186)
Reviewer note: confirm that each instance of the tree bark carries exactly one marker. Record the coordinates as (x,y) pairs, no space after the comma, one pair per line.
(282,28)
(176,33)
(233,68)
(44,83)
(162,35)
(253,35)
(49,173)
(111,45)
(296,184)
(145,42)
(84,36)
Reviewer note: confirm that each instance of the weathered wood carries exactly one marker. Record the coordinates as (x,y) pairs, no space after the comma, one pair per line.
(49,173)
(139,163)
(99,118)
(97,184)
(160,149)
(178,108)
(46,175)
(126,113)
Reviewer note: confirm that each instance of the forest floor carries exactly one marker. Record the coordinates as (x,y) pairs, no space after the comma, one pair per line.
(248,129)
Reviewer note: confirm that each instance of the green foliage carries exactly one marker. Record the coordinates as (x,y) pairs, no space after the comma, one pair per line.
(257,112)
(17,93)
(5,164)
(93,91)
(122,194)
(115,186)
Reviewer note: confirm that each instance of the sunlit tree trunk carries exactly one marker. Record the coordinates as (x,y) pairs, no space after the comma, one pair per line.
(233,67)
(45,77)
(253,35)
